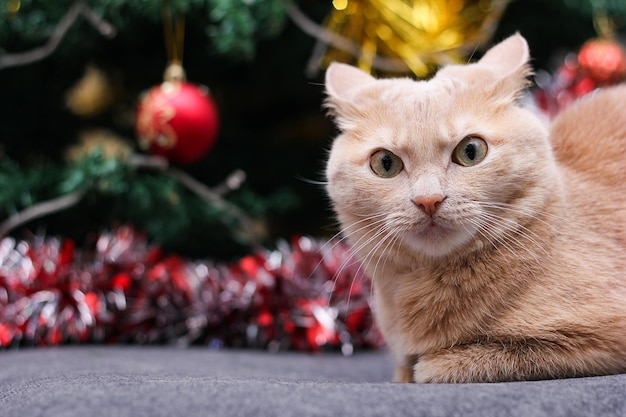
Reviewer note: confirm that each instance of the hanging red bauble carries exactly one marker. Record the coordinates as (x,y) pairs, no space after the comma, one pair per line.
(599,63)
(177,120)
(604,60)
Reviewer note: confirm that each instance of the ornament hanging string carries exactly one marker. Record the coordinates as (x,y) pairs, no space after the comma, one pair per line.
(174,33)
(603,23)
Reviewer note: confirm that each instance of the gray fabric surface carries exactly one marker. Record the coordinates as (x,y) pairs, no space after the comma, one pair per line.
(160,381)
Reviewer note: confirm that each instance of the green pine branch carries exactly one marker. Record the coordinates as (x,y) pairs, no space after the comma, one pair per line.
(174,209)
(232,26)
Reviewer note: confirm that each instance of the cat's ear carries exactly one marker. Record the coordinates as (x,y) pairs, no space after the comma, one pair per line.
(342,81)
(509,60)
(507,56)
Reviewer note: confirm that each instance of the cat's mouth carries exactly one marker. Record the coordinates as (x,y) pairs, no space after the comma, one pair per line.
(433,229)
(435,239)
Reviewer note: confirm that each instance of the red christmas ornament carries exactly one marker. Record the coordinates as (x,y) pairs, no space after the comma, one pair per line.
(177,120)
(604,60)
(599,63)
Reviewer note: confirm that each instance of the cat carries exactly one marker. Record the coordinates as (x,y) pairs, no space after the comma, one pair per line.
(496,243)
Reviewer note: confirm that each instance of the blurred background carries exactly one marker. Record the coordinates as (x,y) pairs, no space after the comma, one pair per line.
(74,72)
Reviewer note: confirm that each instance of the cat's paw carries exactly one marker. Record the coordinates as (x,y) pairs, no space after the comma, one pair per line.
(463,364)
(438,368)
(430,368)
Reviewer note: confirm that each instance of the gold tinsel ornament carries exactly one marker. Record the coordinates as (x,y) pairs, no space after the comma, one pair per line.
(94,93)
(410,35)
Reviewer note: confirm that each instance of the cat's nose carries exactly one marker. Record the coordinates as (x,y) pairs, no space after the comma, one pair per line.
(429,203)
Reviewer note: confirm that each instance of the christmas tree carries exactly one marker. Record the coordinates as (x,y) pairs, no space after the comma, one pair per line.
(105,56)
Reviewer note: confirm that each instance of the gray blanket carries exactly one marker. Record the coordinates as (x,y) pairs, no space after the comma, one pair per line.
(163,381)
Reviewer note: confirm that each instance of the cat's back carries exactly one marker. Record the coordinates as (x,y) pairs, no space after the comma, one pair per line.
(589,142)
(589,137)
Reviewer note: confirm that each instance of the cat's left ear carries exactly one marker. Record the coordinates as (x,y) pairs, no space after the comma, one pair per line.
(509,60)
(343,81)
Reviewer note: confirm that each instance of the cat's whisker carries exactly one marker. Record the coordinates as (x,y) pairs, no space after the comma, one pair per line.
(356,247)
(503,234)
(498,238)
(533,213)
(479,227)
(394,238)
(389,234)
(324,250)
(516,226)
(496,241)
(386,235)
(331,243)
(367,258)
(510,225)
(311,181)
(349,231)
(390,237)
(374,231)
(341,235)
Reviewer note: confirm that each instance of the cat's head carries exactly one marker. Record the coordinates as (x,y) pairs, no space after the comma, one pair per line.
(437,165)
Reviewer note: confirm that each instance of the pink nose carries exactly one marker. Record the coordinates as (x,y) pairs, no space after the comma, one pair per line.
(429,203)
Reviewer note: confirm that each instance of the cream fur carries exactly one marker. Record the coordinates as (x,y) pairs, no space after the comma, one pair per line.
(521,272)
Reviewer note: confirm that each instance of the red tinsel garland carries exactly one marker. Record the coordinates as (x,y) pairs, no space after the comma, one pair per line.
(307,295)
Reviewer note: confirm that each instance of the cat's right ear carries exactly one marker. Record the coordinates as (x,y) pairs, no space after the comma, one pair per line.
(342,81)
(508,56)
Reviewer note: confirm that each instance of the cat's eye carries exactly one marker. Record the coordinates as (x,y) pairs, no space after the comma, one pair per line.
(470,151)
(386,164)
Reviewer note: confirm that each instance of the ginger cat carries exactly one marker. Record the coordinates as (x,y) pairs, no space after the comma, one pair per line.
(496,247)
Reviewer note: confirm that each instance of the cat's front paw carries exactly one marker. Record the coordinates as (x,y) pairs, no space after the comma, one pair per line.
(438,368)
(464,364)
(427,369)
